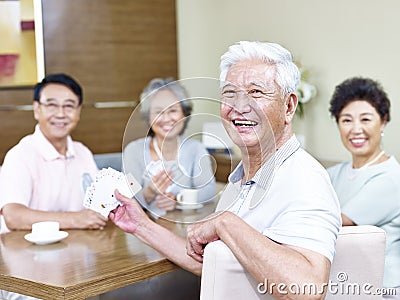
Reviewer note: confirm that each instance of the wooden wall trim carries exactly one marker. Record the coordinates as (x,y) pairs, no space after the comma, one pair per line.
(113,48)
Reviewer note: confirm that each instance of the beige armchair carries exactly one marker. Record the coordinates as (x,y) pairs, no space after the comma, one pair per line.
(356,272)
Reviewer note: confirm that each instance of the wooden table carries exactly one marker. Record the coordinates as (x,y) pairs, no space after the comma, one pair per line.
(87,262)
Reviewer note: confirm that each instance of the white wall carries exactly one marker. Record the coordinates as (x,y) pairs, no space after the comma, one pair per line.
(334,40)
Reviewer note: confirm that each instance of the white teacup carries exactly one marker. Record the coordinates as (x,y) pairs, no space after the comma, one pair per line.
(46,228)
(187,196)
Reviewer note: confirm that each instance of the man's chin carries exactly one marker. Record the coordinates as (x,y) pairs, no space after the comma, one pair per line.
(60,133)
(248,145)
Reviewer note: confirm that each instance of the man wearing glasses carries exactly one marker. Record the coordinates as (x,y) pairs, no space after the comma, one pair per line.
(41,177)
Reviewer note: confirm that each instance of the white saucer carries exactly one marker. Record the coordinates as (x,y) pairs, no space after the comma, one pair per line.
(189,206)
(43,240)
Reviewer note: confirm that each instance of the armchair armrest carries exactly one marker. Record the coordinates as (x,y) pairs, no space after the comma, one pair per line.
(359,260)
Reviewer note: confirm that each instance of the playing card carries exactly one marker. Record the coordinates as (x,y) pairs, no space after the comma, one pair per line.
(100,196)
(134,186)
(86,181)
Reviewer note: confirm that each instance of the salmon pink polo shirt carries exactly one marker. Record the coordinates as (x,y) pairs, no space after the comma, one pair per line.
(35,174)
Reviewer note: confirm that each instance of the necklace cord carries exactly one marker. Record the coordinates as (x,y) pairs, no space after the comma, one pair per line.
(374,160)
(157,148)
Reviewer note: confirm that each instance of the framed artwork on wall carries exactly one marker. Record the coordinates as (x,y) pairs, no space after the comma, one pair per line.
(21,46)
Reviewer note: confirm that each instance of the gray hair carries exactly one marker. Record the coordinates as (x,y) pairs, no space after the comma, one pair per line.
(288,74)
(158,84)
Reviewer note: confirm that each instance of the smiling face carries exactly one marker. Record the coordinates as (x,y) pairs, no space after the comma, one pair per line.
(254,113)
(360,129)
(166,115)
(57,125)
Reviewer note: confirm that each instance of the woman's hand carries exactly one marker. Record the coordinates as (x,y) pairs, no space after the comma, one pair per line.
(166,201)
(157,185)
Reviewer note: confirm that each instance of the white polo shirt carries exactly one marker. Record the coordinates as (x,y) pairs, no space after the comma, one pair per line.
(290,200)
(36,175)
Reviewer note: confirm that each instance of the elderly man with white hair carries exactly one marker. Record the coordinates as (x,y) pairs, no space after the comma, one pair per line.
(279,214)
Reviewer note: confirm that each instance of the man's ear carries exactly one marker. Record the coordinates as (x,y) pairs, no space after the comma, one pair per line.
(78,112)
(36,110)
(291,105)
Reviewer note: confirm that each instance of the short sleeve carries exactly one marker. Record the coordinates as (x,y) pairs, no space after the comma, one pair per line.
(15,180)
(314,229)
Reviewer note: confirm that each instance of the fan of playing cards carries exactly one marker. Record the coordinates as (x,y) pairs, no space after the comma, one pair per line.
(100,196)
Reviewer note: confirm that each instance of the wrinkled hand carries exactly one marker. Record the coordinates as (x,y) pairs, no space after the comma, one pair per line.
(129,216)
(89,219)
(166,201)
(202,233)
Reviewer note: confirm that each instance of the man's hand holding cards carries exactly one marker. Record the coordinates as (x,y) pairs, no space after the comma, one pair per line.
(99,196)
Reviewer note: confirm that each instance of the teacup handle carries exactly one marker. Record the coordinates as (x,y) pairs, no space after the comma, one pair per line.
(179,197)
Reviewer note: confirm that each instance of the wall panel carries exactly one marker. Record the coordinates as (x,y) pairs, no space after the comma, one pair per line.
(113,48)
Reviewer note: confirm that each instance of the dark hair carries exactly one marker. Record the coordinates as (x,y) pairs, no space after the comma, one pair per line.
(63,79)
(358,88)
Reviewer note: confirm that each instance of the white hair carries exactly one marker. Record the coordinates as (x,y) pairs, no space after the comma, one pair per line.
(287,73)
(158,84)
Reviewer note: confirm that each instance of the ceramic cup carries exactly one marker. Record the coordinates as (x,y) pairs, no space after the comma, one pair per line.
(46,228)
(187,196)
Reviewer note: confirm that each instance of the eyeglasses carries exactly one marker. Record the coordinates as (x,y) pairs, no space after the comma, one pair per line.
(54,107)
